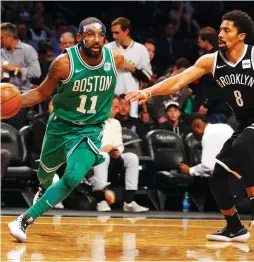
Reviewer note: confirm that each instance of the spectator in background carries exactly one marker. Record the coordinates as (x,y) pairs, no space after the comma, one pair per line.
(174,123)
(126,121)
(46,56)
(136,67)
(115,162)
(169,48)
(60,27)
(39,31)
(25,10)
(66,40)
(19,64)
(213,138)
(156,105)
(150,46)
(207,94)
(24,35)
(39,9)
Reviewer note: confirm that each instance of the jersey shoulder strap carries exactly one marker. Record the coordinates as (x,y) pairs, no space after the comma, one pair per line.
(215,58)
(70,54)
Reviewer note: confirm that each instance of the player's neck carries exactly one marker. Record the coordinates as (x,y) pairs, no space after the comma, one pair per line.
(233,54)
(92,61)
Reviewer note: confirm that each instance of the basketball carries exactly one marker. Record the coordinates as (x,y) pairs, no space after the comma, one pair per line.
(110,196)
(10,100)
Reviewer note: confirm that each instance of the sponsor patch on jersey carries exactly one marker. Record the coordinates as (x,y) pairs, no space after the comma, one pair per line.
(107,66)
(246,63)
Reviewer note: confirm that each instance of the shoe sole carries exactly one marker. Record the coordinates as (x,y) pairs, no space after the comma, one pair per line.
(241,238)
(132,211)
(16,234)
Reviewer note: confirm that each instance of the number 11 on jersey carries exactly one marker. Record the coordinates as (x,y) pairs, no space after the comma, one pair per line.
(82,105)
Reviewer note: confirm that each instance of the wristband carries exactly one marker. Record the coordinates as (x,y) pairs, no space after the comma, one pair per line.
(149,93)
(16,71)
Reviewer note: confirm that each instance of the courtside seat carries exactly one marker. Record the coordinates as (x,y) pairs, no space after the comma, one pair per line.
(19,176)
(167,151)
(193,149)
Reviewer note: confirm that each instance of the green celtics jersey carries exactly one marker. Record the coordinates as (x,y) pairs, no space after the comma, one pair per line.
(87,94)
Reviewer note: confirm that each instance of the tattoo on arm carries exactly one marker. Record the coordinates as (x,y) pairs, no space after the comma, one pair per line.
(52,71)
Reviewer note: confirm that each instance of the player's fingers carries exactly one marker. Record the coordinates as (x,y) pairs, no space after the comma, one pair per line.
(130,95)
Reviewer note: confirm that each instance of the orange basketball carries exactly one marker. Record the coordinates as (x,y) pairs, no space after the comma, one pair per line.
(10,100)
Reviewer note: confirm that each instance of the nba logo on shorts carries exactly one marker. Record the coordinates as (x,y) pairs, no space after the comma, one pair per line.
(246,63)
(107,66)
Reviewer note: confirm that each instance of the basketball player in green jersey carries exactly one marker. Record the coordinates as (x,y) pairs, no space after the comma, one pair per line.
(84,78)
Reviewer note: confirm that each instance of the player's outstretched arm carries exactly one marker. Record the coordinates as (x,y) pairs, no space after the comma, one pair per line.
(58,70)
(171,85)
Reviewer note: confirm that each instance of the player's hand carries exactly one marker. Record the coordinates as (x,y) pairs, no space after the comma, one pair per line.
(185,169)
(141,95)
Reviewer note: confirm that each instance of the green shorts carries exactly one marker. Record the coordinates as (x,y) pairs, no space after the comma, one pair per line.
(63,137)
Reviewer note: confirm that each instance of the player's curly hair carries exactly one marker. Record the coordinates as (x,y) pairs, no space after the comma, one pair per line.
(243,22)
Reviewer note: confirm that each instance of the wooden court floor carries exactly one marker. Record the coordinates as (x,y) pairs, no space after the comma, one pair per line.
(121,239)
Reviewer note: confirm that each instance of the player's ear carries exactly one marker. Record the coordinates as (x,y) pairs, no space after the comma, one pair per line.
(242,36)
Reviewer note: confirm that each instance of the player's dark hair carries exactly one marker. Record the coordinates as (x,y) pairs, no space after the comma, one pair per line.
(123,22)
(209,34)
(10,29)
(194,117)
(182,63)
(242,21)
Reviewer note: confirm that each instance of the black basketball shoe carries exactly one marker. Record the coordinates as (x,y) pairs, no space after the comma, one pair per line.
(225,235)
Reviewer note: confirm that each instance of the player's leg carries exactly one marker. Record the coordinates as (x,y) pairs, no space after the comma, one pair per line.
(131,164)
(78,164)
(244,145)
(241,161)
(234,231)
(52,156)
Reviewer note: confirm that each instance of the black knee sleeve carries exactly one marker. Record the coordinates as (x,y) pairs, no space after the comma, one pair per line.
(220,188)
